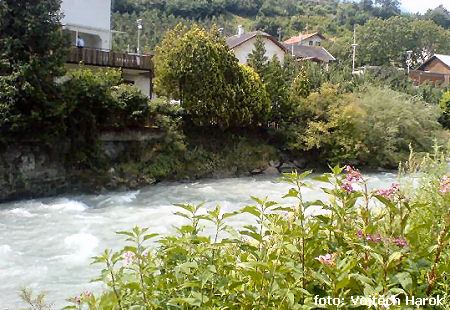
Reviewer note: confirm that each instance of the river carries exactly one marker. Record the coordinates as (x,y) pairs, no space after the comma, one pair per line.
(47,244)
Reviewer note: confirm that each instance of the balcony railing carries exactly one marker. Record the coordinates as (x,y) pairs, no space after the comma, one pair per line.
(96,57)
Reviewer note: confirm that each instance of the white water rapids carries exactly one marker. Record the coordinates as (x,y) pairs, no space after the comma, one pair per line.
(47,244)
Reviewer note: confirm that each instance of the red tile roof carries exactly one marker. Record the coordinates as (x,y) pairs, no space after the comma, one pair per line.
(301,37)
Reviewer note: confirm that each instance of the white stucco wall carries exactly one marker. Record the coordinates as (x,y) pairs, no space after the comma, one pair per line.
(140,80)
(316,40)
(91,19)
(242,51)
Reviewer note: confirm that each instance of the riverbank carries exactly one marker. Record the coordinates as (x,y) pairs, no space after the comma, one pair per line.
(133,159)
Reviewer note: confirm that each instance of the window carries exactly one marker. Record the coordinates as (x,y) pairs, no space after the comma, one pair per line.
(311,43)
(318,43)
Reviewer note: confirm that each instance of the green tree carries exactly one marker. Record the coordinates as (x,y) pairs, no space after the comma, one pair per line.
(440,15)
(252,105)
(277,82)
(379,41)
(257,59)
(32,55)
(387,8)
(195,66)
(301,86)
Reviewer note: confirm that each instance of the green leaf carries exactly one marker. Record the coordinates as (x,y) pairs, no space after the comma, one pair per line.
(405,280)
(252,210)
(150,236)
(393,258)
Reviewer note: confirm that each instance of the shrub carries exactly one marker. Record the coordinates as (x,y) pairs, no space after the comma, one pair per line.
(288,256)
(393,123)
(96,100)
(444,104)
(325,123)
(130,107)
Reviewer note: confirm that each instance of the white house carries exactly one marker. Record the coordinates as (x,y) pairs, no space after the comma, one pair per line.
(90,20)
(243,43)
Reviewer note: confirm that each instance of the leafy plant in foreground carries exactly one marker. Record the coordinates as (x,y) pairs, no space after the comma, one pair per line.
(391,242)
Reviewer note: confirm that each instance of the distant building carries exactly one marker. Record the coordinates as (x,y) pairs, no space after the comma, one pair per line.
(89,21)
(435,69)
(309,47)
(309,39)
(243,43)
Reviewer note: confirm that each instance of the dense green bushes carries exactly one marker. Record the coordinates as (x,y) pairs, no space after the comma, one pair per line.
(96,101)
(393,123)
(445,107)
(324,123)
(388,243)
(373,127)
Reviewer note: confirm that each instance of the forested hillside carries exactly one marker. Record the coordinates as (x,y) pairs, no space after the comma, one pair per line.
(384,32)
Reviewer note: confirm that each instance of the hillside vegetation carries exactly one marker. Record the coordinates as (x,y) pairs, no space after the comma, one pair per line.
(384,32)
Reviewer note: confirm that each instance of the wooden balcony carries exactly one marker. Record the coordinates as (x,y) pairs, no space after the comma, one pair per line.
(96,57)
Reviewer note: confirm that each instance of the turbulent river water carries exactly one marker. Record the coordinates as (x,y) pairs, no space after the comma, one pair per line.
(47,244)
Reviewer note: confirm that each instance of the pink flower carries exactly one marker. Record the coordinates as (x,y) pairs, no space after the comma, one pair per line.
(327,259)
(374,238)
(77,300)
(389,192)
(444,185)
(401,242)
(128,258)
(360,233)
(87,294)
(347,186)
(352,174)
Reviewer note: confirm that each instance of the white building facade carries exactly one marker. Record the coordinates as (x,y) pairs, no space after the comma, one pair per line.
(243,44)
(90,20)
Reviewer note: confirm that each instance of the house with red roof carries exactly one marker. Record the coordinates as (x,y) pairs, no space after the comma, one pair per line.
(308,46)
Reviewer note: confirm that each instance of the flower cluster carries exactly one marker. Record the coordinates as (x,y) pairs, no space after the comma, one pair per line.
(400,242)
(85,295)
(444,185)
(128,258)
(375,238)
(327,259)
(347,186)
(352,175)
(389,192)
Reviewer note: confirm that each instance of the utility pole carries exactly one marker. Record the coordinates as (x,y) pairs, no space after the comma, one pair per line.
(139,27)
(354,45)
(408,59)
(279,33)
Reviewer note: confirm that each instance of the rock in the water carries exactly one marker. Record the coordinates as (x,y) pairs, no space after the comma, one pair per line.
(271,171)
(256,171)
(274,163)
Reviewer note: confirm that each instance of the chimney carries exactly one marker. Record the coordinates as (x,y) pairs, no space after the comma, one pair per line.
(241,30)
